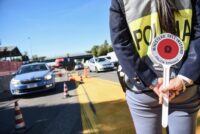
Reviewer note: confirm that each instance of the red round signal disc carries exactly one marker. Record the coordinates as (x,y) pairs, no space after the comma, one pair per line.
(167,49)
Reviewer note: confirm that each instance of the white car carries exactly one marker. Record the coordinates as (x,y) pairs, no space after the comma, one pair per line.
(78,66)
(86,64)
(98,64)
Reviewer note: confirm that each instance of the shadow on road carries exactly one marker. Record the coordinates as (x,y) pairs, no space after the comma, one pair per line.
(54,119)
(6,96)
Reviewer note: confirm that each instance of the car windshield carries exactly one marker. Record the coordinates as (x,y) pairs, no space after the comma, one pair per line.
(100,59)
(32,68)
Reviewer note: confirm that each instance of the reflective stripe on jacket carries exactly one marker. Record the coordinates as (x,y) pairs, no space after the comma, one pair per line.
(134,24)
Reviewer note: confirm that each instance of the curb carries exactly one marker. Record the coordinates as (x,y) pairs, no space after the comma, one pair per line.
(88,114)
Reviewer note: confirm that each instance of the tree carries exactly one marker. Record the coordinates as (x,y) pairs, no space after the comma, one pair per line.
(103,49)
(25,57)
(67,54)
(88,51)
(109,48)
(94,50)
(42,58)
(35,58)
(106,42)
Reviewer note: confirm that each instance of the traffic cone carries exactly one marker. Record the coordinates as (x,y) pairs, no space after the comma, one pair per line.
(19,121)
(59,74)
(72,78)
(65,90)
(86,72)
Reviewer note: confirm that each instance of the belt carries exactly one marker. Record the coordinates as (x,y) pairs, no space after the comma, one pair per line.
(135,90)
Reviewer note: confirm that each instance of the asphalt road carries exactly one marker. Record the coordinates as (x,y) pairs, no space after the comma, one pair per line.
(49,112)
(46,112)
(108,75)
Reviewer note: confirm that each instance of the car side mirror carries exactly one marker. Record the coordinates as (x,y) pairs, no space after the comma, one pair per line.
(13,73)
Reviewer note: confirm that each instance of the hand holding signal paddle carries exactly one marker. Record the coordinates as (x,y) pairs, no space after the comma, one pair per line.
(167,50)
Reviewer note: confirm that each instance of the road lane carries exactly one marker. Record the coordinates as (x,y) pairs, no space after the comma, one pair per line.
(46,112)
(108,75)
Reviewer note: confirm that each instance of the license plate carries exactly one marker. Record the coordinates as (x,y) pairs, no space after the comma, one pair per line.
(31,85)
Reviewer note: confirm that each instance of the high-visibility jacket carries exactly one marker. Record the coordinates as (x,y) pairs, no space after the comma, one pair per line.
(133,26)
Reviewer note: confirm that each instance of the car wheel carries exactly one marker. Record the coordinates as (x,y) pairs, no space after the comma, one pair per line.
(89,69)
(96,70)
(15,96)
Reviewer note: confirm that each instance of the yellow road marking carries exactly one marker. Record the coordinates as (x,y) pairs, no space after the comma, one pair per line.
(112,114)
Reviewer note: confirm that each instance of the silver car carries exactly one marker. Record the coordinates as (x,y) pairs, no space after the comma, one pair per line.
(98,64)
(31,78)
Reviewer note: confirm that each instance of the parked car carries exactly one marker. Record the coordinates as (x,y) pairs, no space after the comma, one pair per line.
(100,64)
(31,78)
(51,63)
(78,66)
(86,64)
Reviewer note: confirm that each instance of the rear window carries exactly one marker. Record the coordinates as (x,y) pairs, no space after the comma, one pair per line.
(108,58)
(100,59)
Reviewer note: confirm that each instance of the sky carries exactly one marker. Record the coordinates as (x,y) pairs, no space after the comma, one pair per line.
(54,27)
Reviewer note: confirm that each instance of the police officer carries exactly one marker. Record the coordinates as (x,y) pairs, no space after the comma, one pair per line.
(133,26)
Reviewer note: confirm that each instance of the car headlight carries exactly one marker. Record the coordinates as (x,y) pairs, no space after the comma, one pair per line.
(48,77)
(15,82)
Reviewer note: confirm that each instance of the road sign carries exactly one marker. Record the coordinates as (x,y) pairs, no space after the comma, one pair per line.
(167,50)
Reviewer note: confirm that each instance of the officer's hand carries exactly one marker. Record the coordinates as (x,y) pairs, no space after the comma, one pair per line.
(157,89)
(173,89)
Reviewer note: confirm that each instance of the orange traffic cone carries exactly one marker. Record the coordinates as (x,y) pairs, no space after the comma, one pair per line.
(19,121)
(65,90)
(86,72)
(70,78)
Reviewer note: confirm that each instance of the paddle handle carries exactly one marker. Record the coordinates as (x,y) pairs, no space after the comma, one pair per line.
(165,105)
